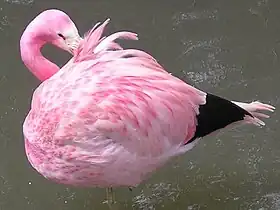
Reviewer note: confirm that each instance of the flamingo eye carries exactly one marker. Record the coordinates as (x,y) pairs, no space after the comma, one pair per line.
(63,37)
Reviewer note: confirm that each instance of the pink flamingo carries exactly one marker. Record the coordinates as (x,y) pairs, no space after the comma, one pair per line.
(111,116)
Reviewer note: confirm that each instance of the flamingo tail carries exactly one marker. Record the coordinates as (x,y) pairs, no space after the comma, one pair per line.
(218,113)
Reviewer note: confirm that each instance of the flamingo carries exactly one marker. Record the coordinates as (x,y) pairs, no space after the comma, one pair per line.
(112,116)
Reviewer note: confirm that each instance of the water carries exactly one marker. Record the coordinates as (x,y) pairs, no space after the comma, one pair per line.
(230,48)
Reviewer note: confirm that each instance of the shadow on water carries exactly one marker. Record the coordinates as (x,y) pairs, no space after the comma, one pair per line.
(227,47)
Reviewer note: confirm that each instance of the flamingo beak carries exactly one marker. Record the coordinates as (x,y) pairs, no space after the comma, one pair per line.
(70,44)
(73,44)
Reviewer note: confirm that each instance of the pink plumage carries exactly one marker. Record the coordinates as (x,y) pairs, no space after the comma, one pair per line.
(111,116)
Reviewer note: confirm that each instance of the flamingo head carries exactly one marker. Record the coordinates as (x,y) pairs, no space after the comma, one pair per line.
(55,27)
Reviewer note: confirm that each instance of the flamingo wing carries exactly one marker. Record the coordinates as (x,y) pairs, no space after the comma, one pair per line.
(146,112)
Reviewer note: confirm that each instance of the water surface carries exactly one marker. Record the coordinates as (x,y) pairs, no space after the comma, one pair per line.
(230,48)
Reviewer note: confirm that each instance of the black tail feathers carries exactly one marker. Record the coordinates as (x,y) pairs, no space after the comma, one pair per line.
(217,113)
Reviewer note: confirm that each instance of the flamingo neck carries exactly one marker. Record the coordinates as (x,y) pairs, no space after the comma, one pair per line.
(30,48)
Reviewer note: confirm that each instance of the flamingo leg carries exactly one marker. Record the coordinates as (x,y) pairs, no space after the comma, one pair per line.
(110,197)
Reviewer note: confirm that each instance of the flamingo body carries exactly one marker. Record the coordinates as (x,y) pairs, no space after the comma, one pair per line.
(107,125)
(111,116)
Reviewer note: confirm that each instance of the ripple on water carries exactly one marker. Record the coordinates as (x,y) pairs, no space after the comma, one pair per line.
(269,201)
(204,66)
(274,200)
(24,2)
(5,189)
(4,20)
(181,17)
(157,194)
(261,10)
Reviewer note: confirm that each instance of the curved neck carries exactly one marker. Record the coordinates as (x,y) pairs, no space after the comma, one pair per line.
(30,49)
